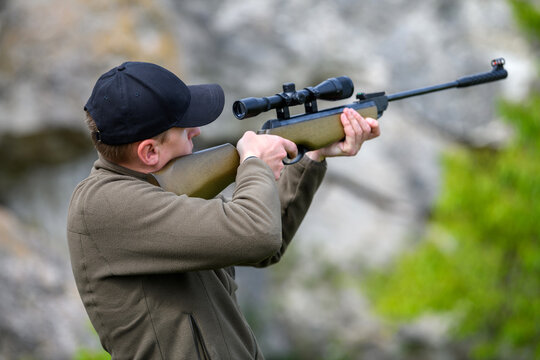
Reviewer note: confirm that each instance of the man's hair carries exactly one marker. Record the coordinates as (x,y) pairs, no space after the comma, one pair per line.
(116,153)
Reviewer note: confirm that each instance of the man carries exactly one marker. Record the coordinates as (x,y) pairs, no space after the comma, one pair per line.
(155,271)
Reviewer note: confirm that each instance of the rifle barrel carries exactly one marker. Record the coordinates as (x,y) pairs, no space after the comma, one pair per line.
(421,91)
(497,72)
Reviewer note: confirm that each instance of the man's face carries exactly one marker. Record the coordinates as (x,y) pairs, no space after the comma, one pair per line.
(177,143)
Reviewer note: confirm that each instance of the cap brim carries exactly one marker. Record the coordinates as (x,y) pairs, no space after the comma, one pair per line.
(206,105)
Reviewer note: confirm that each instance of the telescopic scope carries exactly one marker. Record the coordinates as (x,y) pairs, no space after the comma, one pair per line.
(331,89)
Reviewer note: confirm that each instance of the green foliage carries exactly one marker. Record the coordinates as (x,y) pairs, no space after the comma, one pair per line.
(86,354)
(91,354)
(481,258)
(480,261)
(527,16)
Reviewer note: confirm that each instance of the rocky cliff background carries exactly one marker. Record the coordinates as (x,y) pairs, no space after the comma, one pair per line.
(369,209)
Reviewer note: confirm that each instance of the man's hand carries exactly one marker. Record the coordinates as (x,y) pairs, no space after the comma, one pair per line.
(271,149)
(357,130)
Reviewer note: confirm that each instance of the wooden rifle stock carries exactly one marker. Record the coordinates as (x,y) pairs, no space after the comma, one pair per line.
(206,173)
(203,174)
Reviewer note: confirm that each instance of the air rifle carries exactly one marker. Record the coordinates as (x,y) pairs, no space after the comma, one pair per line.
(216,167)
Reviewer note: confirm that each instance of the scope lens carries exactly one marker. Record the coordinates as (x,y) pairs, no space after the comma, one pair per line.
(239,109)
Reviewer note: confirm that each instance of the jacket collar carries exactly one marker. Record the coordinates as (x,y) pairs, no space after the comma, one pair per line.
(102,163)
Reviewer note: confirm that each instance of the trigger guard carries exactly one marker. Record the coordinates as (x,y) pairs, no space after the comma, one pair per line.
(301,152)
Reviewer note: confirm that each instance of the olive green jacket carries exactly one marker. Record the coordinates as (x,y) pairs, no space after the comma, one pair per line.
(155,270)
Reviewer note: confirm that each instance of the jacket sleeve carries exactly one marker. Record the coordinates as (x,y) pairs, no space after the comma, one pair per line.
(297,186)
(137,228)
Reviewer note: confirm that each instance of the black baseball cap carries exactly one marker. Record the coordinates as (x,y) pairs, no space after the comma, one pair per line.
(139,100)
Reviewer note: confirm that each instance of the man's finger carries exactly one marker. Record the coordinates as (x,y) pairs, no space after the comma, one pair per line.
(366,128)
(346,123)
(290,148)
(375,129)
(356,121)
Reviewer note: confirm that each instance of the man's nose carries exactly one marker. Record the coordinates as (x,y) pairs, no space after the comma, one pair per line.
(196,131)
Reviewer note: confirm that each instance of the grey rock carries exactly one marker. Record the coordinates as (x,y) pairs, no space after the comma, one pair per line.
(368,210)
(41,314)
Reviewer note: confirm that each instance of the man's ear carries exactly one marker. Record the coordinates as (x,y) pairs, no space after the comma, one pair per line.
(148,152)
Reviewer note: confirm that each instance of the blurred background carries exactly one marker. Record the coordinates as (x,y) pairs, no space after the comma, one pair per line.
(425,246)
